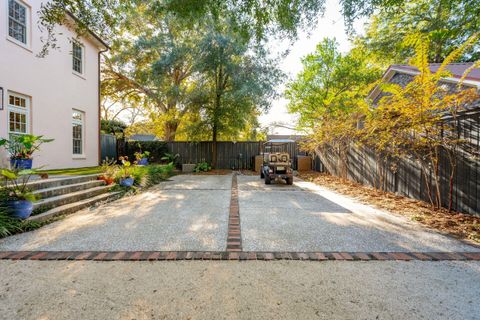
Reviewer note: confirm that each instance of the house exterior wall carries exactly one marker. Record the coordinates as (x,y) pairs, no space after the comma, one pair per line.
(54,90)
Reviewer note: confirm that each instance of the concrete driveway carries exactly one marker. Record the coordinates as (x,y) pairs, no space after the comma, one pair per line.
(190,213)
(306,217)
(185,213)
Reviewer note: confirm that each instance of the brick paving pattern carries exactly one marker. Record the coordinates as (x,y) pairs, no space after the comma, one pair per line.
(233,255)
(234,237)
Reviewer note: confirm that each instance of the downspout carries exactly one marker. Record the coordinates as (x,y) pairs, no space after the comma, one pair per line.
(100,107)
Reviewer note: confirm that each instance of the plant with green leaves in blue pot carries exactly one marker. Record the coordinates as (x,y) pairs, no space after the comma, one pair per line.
(126,172)
(21,149)
(142,158)
(15,193)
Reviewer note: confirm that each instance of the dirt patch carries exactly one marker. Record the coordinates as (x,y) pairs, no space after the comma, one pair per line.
(460,225)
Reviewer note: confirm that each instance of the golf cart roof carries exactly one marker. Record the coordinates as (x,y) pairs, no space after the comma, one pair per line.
(279,141)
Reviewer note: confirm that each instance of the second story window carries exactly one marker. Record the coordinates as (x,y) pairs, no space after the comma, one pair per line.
(77,54)
(17,21)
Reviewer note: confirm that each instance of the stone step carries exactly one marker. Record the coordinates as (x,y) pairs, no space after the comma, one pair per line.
(75,206)
(69,188)
(53,202)
(60,181)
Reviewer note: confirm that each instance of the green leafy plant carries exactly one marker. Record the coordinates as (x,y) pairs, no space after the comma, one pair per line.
(23,146)
(15,184)
(109,170)
(126,169)
(170,157)
(141,155)
(202,167)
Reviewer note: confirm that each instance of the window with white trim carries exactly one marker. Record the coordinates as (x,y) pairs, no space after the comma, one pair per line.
(77,56)
(17,21)
(78,118)
(18,114)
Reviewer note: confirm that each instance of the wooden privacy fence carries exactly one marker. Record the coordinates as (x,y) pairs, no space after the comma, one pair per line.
(230,155)
(408,179)
(108,146)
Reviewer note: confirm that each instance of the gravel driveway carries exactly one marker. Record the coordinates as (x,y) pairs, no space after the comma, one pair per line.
(239,290)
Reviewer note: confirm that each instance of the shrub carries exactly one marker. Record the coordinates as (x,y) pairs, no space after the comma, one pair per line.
(150,175)
(157,149)
(202,167)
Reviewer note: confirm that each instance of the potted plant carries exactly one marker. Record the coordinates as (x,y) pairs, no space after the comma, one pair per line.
(126,176)
(18,198)
(142,158)
(21,149)
(109,170)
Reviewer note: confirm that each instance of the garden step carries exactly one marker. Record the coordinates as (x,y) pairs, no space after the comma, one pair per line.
(49,203)
(57,182)
(75,206)
(57,191)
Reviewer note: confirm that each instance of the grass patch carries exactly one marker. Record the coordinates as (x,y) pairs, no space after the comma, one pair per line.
(73,171)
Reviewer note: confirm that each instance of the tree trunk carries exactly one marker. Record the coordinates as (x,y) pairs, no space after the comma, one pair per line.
(170,130)
(215,131)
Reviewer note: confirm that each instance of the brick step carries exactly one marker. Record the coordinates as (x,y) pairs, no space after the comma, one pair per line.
(53,202)
(75,206)
(57,182)
(69,188)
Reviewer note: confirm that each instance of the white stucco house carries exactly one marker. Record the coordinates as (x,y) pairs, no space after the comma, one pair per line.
(56,96)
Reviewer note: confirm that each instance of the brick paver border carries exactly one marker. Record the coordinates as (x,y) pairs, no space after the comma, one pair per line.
(234,237)
(244,255)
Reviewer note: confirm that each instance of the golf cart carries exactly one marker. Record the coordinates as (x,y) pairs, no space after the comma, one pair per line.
(276,161)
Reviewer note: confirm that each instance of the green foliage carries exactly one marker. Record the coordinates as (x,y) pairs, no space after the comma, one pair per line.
(126,169)
(147,176)
(447,23)
(23,146)
(141,155)
(202,167)
(109,168)
(15,182)
(329,93)
(114,127)
(9,225)
(157,149)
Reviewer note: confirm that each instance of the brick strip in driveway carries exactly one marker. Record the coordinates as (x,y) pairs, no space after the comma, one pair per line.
(234,237)
(232,255)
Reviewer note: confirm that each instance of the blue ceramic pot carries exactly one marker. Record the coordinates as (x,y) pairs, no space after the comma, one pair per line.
(142,162)
(21,209)
(21,163)
(128,182)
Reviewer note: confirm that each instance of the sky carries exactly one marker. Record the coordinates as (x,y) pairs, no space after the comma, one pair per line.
(330,25)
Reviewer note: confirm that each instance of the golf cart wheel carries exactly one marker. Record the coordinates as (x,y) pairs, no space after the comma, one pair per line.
(267,180)
(290,181)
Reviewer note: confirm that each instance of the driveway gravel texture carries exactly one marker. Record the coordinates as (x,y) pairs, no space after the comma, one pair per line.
(186,213)
(307,217)
(239,290)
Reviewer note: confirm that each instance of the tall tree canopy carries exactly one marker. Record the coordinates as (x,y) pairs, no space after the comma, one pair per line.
(448,24)
(235,82)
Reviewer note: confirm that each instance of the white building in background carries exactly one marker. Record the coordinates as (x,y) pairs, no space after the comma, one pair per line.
(56,96)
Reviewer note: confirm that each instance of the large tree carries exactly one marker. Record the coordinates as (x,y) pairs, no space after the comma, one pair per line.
(151,61)
(447,23)
(328,94)
(250,18)
(235,82)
